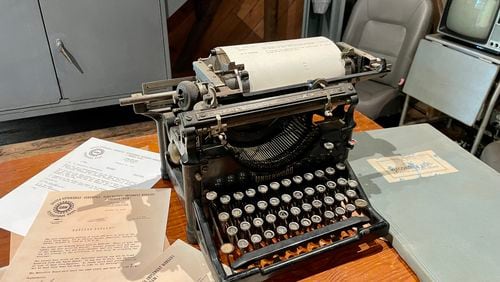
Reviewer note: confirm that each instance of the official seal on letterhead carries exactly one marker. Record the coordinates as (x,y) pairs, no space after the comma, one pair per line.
(95,153)
(62,208)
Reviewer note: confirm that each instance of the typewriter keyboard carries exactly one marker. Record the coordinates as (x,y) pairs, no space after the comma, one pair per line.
(277,220)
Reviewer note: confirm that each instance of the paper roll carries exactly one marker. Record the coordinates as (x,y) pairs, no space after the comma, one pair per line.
(281,63)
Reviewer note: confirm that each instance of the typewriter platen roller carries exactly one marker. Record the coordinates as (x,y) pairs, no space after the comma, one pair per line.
(256,146)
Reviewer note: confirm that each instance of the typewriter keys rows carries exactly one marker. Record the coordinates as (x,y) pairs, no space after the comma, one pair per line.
(283,218)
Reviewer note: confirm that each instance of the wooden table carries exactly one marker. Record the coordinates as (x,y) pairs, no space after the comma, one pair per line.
(372,260)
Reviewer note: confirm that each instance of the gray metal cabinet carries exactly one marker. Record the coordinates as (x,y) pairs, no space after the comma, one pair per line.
(27,75)
(62,55)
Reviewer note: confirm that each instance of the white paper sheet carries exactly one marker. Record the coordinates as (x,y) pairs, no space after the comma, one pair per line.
(281,63)
(95,165)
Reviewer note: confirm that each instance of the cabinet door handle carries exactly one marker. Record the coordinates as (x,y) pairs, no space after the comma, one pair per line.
(60,47)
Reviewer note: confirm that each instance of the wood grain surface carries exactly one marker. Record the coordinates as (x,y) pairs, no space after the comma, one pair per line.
(370,260)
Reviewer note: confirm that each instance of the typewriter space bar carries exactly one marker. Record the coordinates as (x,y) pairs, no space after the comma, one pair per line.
(266,251)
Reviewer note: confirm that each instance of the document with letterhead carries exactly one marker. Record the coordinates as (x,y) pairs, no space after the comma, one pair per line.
(93,236)
(95,165)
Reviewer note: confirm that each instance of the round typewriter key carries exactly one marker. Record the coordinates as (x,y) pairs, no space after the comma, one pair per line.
(227,248)
(262,189)
(286,182)
(258,222)
(309,191)
(262,205)
(232,232)
(329,216)
(331,185)
(225,199)
(328,146)
(275,186)
(293,226)
(339,197)
(330,171)
(243,245)
(339,211)
(361,204)
(297,195)
(342,182)
(249,209)
(271,219)
(238,196)
(308,176)
(316,219)
(236,213)
(320,188)
(350,208)
(211,196)
(245,227)
(329,201)
(305,222)
(340,166)
(353,184)
(274,202)
(283,215)
(281,230)
(297,179)
(269,235)
(223,217)
(295,211)
(256,239)
(317,204)
(250,193)
(306,207)
(319,173)
(351,194)
(286,198)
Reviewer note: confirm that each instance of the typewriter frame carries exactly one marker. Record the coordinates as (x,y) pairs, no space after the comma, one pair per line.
(183,126)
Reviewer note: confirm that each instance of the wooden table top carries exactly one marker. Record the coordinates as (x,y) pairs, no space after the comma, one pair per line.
(367,261)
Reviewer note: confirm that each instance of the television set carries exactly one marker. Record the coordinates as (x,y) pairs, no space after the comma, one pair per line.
(476,22)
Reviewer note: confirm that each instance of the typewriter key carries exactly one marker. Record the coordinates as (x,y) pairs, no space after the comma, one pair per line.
(262,205)
(330,172)
(308,176)
(250,193)
(294,227)
(305,223)
(245,227)
(283,215)
(256,239)
(269,235)
(353,184)
(262,189)
(351,194)
(211,196)
(329,216)
(274,202)
(341,169)
(249,209)
(319,174)
(309,191)
(271,219)
(317,204)
(281,231)
(275,186)
(350,208)
(339,197)
(237,213)
(225,200)
(342,183)
(232,233)
(331,185)
(238,196)
(339,211)
(320,188)
(297,179)
(243,245)
(297,195)
(316,219)
(227,249)
(361,204)
(223,219)
(295,211)
(286,198)
(329,201)
(286,183)
(257,223)
(306,207)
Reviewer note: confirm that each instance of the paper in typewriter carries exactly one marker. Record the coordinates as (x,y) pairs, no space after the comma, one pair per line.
(93,236)
(281,63)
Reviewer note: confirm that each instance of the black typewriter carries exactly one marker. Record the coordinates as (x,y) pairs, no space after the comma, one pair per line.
(263,174)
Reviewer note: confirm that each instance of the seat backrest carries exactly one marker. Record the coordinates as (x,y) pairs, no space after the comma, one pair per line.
(390,29)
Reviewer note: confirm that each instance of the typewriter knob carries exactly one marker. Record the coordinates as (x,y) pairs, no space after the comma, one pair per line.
(187,95)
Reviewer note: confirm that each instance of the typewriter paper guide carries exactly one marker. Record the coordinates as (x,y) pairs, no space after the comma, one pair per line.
(444,226)
(283,63)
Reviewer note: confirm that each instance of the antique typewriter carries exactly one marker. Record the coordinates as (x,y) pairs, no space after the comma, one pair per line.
(262,169)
